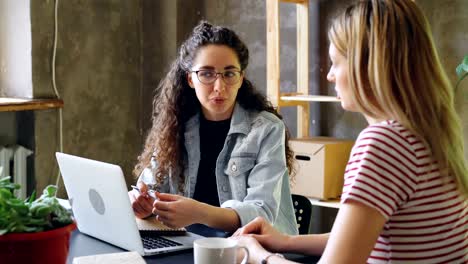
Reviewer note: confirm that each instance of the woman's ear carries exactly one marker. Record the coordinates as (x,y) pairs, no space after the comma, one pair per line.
(189,79)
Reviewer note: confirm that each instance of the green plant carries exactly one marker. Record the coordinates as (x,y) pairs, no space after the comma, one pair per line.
(30,215)
(462,71)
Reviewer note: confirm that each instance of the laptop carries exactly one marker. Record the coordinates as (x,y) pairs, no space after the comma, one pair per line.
(98,196)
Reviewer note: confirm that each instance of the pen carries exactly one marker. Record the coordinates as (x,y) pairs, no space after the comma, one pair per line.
(150,192)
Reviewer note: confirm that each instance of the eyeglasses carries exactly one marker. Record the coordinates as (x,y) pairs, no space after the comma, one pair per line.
(230,77)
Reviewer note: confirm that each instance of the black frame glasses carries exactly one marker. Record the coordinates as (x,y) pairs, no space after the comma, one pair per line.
(230,77)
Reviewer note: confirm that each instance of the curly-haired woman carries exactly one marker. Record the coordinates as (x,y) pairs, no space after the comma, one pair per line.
(217,152)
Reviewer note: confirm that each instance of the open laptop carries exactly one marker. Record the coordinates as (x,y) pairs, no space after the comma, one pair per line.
(98,196)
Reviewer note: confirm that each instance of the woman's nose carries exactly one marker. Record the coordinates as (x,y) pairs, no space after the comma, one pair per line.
(219,84)
(330,76)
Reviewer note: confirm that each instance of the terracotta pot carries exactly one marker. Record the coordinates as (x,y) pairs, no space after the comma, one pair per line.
(41,247)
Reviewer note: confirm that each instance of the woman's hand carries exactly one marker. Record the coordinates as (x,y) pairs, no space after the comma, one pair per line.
(142,202)
(176,211)
(256,252)
(265,234)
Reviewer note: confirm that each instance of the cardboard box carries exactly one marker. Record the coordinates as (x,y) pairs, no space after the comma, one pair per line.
(320,166)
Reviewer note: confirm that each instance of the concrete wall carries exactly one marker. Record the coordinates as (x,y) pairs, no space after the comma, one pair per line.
(99,77)
(7,128)
(110,57)
(448,20)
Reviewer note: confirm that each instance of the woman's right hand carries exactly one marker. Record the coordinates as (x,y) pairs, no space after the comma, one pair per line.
(265,234)
(142,201)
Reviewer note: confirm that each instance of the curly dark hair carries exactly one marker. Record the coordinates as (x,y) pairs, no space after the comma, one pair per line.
(175,102)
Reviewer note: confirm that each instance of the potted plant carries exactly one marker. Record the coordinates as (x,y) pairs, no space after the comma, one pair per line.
(33,230)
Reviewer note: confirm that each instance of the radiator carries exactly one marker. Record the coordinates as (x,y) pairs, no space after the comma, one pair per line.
(17,156)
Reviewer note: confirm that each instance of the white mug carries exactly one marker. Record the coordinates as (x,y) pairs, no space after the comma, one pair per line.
(216,250)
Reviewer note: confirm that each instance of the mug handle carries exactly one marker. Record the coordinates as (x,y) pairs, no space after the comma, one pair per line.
(245,260)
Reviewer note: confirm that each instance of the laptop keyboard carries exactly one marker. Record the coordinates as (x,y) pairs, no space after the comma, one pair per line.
(154,242)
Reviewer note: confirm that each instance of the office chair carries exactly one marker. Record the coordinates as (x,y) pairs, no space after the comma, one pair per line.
(303,211)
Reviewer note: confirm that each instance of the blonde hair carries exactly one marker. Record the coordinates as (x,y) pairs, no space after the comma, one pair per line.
(395,72)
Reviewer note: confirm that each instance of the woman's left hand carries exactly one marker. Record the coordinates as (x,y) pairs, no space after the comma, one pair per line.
(256,251)
(176,211)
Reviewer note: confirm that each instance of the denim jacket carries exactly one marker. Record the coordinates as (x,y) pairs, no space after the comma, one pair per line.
(251,172)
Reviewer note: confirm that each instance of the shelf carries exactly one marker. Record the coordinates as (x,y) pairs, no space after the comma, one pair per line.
(8,104)
(295,1)
(329,203)
(310,98)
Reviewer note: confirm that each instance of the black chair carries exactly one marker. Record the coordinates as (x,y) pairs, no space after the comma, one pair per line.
(303,211)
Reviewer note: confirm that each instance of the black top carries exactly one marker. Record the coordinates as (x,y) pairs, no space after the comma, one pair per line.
(212,137)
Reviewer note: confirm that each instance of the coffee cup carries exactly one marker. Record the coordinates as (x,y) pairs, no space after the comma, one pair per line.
(216,250)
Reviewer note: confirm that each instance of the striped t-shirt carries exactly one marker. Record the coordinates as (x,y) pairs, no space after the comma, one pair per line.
(427,219)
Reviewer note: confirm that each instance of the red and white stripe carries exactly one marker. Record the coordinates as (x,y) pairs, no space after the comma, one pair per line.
(427,218)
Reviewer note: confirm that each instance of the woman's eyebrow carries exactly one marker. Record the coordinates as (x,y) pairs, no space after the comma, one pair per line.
(206,68)
(229,67)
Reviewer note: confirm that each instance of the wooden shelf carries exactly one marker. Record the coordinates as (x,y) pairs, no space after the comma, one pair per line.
(328,203)
(295,1)
(310,98)
(23,104)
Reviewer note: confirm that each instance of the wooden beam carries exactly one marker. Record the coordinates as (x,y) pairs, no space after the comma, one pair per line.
(273,60)
(295,1)
(285,103)
(308,98)
(24,104)
(303,112)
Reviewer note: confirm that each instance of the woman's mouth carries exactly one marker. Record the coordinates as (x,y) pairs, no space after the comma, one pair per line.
(337,94)
(218,100)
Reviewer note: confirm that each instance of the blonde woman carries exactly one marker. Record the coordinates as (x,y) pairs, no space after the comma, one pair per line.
(406,184)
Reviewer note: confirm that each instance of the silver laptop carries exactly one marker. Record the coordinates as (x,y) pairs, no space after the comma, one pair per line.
(102,209)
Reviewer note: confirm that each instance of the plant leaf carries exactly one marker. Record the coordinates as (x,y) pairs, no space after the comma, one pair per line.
(32,197)
(31,214)
(463,67)
(50,191)
(459,70)
(465,63)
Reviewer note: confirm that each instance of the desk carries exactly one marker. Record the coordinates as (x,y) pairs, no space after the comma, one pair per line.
(83,245)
